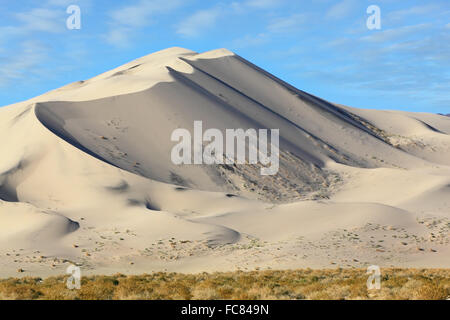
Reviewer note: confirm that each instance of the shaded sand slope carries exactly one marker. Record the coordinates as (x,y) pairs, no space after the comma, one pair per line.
(86,176)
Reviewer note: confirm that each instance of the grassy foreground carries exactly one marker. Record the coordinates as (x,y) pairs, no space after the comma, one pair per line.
(300,284)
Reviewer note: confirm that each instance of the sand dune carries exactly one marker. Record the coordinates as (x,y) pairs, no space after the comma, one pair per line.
(86,176)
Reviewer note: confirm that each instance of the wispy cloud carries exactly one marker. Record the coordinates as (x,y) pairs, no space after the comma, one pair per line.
(287,24)
(126,19)
(118,37)
(49,17)
(24,63)
(42,19)
(66,3)
(284,25)
(341,9)
(245,6)
(28,36)
(416,10)
(10,32)
(202,20)
(396,33)
(251,41)
(143,12)
(199,22)
(263,4)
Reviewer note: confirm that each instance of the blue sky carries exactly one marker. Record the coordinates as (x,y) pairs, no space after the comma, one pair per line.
(321,46)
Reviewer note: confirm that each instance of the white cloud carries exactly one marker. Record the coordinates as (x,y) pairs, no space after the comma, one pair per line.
(199,22)
(263,4)
(131,17)
(142,13)
(392,34)
(341,9)
(50,17)
(119,37)
(23,63)
(202,20)
(66,3)
(417,10)
(8,32)
(281,25)
(287,24)
(251,41)
(41,19)
(245,6)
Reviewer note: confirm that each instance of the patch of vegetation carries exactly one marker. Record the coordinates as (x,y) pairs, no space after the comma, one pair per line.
(337,284)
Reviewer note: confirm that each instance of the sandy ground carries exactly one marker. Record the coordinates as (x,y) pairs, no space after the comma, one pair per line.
(86,177)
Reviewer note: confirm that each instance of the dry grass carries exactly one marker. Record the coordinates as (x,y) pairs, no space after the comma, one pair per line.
(428,284)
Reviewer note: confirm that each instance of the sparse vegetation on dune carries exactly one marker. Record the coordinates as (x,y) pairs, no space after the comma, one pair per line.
(427,284)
